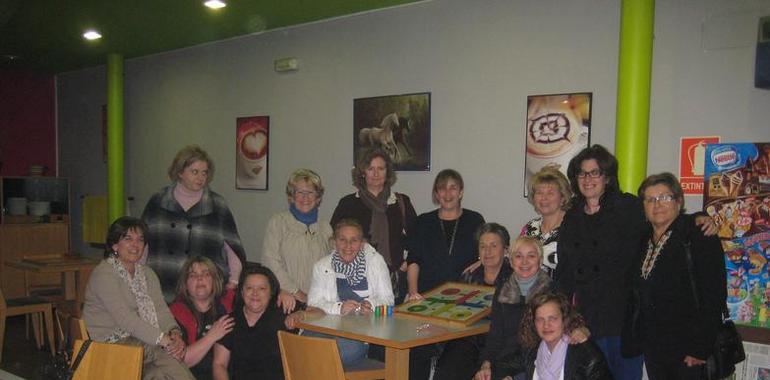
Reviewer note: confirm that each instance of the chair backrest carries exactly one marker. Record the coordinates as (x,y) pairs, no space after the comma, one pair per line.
(306,357)
(3,305)
(109,361)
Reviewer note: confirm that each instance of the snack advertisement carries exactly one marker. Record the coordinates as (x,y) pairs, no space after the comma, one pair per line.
(737,197)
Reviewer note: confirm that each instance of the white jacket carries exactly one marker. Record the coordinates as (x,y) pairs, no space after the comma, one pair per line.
(323,287)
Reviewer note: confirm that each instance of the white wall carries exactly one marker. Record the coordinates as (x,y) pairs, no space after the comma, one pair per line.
(479,60)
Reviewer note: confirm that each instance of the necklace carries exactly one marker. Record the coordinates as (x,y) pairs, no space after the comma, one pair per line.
(454,233)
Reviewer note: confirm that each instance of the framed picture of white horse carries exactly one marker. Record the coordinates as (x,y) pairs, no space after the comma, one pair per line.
(397,124)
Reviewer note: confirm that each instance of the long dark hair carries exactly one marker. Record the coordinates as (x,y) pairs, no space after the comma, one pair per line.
(120,228)
(255,268)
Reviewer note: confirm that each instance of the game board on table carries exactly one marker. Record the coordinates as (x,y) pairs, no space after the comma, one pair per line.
(453,302)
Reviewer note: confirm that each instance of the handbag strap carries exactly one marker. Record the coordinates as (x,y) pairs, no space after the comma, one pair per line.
(81,353)
(691,272)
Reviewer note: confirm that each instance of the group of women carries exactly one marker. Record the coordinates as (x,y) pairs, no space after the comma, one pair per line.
(567,277)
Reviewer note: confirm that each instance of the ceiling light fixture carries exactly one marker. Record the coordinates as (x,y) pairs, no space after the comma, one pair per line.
(215,4)
(91,35)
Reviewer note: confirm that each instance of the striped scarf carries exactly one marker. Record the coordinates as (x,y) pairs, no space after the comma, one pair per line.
(354,271)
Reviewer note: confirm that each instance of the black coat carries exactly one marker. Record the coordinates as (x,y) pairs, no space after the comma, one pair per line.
(597,255)
(672,325)
(584,361)
(399,225)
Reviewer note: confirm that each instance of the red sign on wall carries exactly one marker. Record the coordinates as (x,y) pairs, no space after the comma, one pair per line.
(692,159)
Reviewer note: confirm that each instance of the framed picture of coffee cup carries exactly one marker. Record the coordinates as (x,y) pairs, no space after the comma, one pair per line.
(252,140)
(399,125)
(558,127)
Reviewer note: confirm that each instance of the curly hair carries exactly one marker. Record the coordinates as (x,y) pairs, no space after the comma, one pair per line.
(186,157)
(550,175)
(571,320)
(358,173)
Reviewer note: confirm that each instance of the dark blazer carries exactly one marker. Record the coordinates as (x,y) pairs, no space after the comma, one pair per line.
(597,255)
(584,361)
(429,249)
(399,226)
(672,325)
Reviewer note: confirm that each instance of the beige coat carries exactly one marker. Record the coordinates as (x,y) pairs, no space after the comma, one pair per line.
(110,305)
(291,248)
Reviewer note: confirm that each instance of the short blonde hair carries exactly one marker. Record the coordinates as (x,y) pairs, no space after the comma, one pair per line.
(306,175)
(186,157)
(550,175)
(528,240)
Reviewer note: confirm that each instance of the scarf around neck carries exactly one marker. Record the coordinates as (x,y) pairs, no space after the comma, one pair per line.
(354,271)
(379,228)
(550,364)
(138,287)
(306,218)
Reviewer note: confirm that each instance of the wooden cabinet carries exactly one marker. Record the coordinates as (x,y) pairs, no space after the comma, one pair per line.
(26,236)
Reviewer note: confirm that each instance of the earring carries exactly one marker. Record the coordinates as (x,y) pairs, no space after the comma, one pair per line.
(115,253)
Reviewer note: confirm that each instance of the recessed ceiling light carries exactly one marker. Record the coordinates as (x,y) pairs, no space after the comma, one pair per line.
(92,35)
(215,4)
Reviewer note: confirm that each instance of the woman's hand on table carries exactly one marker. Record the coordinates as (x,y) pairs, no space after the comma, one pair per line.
(286,302)
(413,297)
(221,327)
(366,308)
(350,307)
(293,319)
(485,372)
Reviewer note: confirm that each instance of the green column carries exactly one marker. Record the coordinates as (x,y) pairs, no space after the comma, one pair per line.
(633,108)
(116,199)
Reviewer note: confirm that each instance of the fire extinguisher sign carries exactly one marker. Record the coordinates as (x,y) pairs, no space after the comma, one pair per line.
(692,159)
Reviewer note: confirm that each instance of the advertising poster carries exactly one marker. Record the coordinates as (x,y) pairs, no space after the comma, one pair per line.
(737,197)
(251,152)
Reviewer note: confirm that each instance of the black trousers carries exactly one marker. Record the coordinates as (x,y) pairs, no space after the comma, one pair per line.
(673,369)
(460,359)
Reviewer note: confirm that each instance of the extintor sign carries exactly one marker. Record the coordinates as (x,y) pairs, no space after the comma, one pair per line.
(692,151)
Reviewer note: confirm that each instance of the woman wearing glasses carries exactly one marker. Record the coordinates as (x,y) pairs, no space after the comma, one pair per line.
(678,333)
(598,249)
(295,240)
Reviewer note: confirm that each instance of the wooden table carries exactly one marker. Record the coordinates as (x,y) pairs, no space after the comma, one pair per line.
(397,333)
(74,271)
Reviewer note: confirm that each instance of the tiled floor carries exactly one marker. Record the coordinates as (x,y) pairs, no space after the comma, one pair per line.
(20,357)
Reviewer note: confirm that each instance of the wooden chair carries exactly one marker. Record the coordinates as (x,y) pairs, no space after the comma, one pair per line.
(306,357)
(109,361)
(27,306)
(69,328)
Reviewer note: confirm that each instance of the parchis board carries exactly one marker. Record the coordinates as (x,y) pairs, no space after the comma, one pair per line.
(452,302)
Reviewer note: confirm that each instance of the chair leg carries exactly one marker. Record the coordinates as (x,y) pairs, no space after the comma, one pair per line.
(2,334)
(36,323)
(48,315)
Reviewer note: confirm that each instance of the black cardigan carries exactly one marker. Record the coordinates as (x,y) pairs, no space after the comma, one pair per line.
(583,361)
(597,255)
(399,226)
(428,248)
(673,327)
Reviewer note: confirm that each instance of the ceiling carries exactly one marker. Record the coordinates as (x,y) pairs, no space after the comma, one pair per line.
(46,35)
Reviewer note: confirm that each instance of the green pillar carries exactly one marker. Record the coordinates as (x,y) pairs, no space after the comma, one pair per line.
(637,18)
(116,199)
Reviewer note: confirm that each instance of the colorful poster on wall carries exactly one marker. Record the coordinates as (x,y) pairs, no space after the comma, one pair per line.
(692,159)
(737,196)
(251,152)
(558,127)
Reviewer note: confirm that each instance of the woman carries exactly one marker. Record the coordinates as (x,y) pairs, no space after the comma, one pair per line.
(546,353)
(677,334)
(251,350)
(460,356)
(509,302)
(353,279)
(201,309)
(295,240)
(443,243)
(385,216)
(124,304)
(598,249)
(187,219)
(550,195)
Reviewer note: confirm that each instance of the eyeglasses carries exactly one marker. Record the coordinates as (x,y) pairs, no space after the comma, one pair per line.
(305,194)
(596,173)
(662,199)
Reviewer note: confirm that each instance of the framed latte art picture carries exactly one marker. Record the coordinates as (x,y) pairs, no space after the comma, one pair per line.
(558,127)
(252,140)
